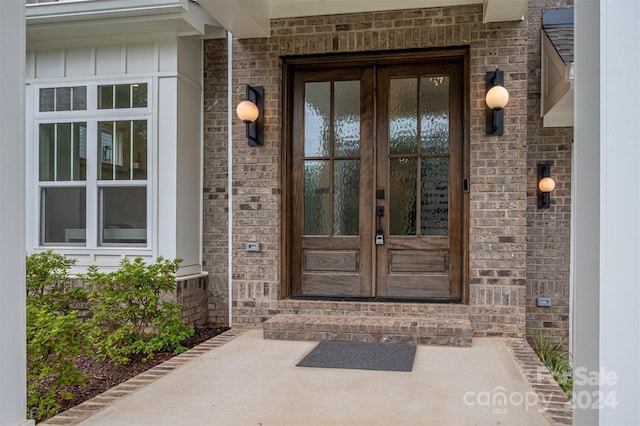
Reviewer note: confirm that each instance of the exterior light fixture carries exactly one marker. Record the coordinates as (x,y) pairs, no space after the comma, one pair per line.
(251,112)
(496,98)
(546,184)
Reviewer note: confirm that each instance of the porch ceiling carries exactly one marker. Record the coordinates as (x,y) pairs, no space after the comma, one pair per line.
(250,18)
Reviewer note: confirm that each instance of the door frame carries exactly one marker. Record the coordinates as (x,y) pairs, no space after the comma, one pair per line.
(291,65)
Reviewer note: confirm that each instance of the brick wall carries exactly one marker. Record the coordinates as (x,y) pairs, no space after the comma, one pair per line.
(498,171)
(548,230)
(215,193)
(192,295)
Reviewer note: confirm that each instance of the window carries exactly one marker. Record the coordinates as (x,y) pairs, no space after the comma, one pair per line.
(63,99)
(93,165)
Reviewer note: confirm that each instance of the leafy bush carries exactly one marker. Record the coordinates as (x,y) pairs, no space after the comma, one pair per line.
(557,360)
(48,282)
(55,337)
(129,317)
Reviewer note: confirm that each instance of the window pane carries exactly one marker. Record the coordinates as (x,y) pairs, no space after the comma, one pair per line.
(79,156)
(403,115)
(105,150)
(317,115)
(63,215)
(46,99)
(105,97)
(346,201)
(122,150)
(140,150)
(123,99)
(79,98)
(434,115)
(47,152)
(435,196)
(140,95)
(124,215)
(63,99)
(402,196)
(317,198)
(346,123)
(63,152)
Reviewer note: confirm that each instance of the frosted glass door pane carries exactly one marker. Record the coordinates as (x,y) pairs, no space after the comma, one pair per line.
(403,116)
(402,196)
(434,115)
(317,197)
(435,196)
(346,123)
(317,116)
(346,202)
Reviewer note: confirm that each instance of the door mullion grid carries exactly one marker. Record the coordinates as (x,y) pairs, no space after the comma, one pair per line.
(331,159)
(419,162)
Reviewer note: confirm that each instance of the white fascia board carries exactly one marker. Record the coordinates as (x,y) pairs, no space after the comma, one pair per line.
(107,18)
(504,10)
(199,19)
(94,9)
(243,18)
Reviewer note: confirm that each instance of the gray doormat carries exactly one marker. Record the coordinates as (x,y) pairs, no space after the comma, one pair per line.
(361,356)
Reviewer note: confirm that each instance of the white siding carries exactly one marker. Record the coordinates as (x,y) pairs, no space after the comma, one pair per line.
(110,60)
(113,60)
(175,215)
(79,61)
(140,58)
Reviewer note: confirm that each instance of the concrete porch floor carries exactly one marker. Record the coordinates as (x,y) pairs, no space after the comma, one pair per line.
(253,381)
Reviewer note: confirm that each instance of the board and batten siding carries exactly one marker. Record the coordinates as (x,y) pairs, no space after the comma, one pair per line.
(173,65)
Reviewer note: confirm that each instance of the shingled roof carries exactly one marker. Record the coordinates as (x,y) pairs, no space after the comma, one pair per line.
(558,26)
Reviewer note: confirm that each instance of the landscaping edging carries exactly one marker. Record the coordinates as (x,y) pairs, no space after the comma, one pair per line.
(92,406)
(552,401)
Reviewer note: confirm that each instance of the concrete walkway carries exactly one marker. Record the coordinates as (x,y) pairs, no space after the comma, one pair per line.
(252,381)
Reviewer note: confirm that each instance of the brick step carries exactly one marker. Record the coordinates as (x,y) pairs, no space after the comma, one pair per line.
(433,330)
(376,309)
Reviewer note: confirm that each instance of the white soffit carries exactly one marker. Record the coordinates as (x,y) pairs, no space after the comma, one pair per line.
(251,18)
(243,18)
(504,10)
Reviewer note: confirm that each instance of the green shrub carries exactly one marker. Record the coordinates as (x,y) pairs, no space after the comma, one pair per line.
(48,282)
(129,317)
(55,337)
(557,360)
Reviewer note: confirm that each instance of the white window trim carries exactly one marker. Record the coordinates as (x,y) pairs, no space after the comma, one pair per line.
(92,115)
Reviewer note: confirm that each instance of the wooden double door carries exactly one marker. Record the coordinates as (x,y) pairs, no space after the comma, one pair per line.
(377,181)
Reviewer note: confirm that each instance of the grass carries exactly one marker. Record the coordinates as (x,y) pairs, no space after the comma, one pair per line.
(557,360)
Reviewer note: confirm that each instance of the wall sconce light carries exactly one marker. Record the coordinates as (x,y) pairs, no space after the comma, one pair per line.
(251,112)
(546,184)
(497,98)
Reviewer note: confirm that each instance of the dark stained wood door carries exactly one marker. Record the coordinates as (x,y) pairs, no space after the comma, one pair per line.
(370,140)
(332,180)
(420,167)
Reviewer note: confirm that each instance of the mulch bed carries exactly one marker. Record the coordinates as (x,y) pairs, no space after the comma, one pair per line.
(103,375)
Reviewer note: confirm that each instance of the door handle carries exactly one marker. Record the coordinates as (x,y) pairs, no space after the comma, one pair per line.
(379,233)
